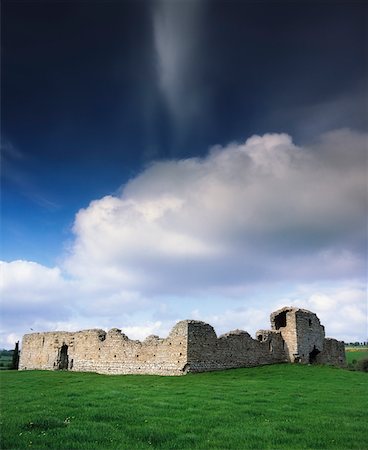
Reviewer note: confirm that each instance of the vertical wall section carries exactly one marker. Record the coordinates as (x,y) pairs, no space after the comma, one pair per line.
(208,352)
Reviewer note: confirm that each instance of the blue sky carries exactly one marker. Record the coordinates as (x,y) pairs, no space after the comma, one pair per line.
(164,160)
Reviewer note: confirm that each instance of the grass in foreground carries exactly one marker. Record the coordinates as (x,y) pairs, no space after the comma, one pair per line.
(280,406)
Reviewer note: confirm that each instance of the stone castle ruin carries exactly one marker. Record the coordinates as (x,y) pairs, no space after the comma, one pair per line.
(296,336)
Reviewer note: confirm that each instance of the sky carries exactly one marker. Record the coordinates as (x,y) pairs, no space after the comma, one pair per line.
(167,159)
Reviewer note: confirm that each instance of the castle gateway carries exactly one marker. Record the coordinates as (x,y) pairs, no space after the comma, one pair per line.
(296,336)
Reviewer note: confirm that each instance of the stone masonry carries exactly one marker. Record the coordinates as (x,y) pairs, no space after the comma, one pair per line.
(192,346)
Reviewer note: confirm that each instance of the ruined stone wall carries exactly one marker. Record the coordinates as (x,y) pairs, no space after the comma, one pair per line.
(208,352)
(191,346)
(111,353)
(41,350)
(284,321)
(302,332)
(311,335)
(333,353)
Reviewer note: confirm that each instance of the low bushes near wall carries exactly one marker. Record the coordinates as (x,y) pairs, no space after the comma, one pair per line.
(357,358)
(362,365)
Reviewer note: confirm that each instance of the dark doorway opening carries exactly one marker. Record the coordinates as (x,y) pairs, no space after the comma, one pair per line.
(280,320)
(313,355)
(63,359)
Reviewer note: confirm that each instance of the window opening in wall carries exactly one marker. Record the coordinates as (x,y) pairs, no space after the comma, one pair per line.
(63,359)
(313,355)
(260,337)
(280,320)
(310,322)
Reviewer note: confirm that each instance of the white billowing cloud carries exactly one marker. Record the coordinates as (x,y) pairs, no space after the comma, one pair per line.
(262,210)
(176,27)
(244,317)
(247,219)
(24,282)
(142,331)
(343,311)
(37,298)
(29,291)
(10,340)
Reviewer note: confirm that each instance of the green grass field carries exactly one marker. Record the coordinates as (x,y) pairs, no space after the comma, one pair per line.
(270,407)
(355,354)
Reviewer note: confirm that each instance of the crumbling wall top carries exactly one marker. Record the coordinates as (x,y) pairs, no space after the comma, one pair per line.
(236,332)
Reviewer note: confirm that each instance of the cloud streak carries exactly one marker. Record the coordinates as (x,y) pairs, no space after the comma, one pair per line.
(14,171)
(176,27)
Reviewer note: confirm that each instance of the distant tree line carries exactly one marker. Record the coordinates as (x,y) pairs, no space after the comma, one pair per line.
(9,359)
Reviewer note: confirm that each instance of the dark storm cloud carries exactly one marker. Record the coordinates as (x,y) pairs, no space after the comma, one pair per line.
(101,76)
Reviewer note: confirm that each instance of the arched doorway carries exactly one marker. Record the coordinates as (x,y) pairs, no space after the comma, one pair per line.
(63,358)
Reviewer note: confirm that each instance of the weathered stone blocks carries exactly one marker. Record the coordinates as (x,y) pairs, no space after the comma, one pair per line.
(192,346)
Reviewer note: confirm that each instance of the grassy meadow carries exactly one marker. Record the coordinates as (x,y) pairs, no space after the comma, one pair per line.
(270,407)
(355,354)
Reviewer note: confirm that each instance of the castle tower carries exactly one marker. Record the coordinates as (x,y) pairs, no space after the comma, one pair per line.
(302,332)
